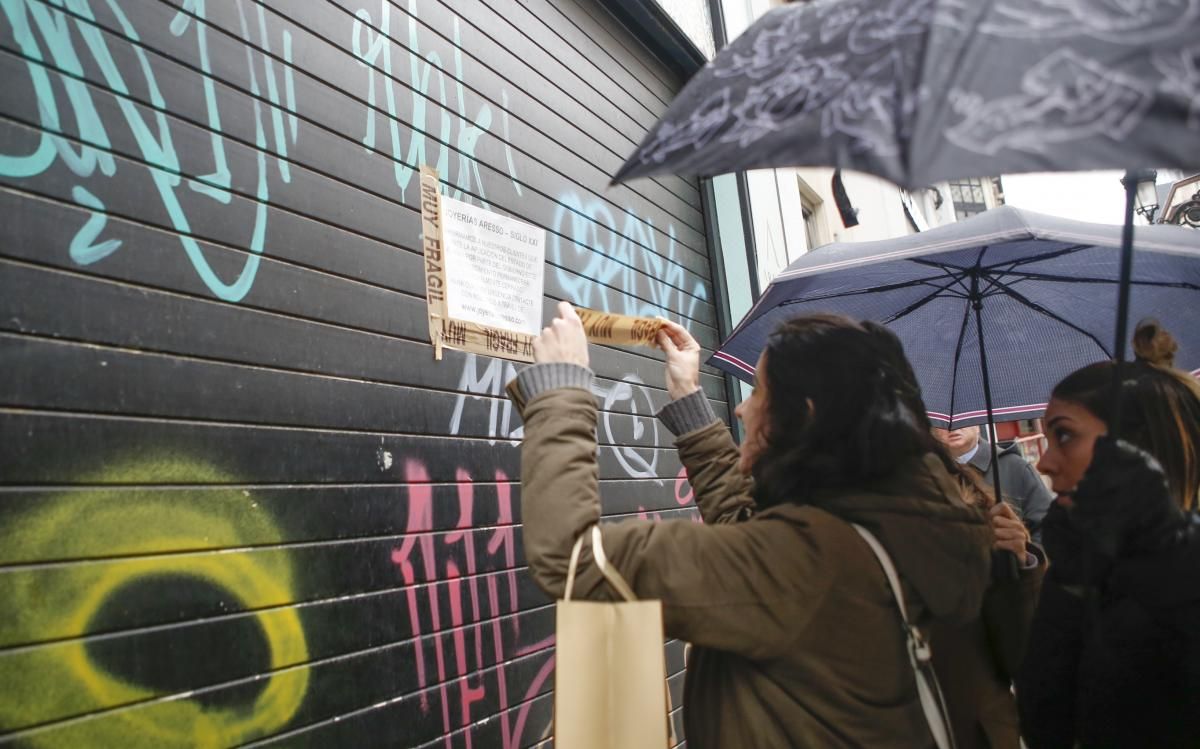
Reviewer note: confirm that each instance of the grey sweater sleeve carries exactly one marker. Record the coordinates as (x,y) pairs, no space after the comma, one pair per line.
(687,414)
(536,379)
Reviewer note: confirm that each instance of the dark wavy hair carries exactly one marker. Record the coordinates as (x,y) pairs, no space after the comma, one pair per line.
(1160,406)
(866,417)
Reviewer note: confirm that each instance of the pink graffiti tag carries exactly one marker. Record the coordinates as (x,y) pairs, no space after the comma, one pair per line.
(467,618)
(458,563)
(683,488)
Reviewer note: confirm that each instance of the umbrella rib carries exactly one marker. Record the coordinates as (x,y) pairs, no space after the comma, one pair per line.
(1024,276)
(1018,296)
(941,266)
(857,292)
(922,302)
(953,271)
(1045,256)
(989,270)
(957,356)
(992,271)
(1012,265)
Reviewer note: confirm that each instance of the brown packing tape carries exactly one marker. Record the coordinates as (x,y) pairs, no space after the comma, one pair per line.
(484,339)
(431,248)
(619,330)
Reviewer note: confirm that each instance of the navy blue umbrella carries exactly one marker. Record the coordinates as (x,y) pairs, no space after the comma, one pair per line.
(993,310)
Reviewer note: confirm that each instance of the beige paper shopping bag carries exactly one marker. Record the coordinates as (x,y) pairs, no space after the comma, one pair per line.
(610,674)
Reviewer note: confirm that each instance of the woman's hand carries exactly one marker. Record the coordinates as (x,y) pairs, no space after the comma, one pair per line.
(1009,532)
(563,340)
(683,360)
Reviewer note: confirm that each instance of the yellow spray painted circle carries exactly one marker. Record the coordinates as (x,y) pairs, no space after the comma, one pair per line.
(126,535)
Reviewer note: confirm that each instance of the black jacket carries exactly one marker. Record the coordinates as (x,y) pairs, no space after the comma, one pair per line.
(1019,483)
(1120,668)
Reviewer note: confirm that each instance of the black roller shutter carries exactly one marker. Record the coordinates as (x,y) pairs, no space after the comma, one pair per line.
(239,500)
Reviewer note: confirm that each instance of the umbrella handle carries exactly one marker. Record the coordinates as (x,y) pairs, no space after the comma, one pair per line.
(1123,284)
(1005,565)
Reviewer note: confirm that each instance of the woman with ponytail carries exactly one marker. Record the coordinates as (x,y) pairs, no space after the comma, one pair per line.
(796,637)
(1114,655)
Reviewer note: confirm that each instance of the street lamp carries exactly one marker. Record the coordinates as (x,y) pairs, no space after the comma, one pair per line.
(1143,181)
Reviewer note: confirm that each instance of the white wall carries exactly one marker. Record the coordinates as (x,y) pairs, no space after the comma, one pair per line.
(778,218)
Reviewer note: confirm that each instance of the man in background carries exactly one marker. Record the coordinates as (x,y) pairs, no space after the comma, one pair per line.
(1019,482)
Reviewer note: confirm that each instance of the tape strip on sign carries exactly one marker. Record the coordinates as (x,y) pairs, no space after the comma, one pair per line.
(619,330)
(431,247)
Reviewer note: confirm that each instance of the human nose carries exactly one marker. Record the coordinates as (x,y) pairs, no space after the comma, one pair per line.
(1046,464)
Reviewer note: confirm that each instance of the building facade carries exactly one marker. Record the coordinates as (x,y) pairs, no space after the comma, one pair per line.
(1181,203)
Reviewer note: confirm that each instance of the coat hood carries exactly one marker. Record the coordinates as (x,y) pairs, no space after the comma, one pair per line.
(1012,448)
(982,459)
(940,545)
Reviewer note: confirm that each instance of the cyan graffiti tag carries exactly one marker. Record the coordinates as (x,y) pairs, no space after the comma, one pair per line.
(623,402)
(51,31)
(622,251)
(371,43)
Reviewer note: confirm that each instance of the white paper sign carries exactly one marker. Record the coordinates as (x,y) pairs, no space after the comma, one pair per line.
(494,267)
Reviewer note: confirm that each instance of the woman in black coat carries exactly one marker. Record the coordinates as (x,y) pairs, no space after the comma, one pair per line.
(1114,653)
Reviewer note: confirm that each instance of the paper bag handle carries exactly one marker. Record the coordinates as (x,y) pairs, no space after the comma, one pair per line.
(610,574)
(618,583)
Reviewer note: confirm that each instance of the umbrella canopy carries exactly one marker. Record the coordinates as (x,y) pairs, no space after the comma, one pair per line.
(920,91)
(1046,289)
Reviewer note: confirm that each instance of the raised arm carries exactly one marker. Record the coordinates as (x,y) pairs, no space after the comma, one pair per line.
(723,493)
(718,583)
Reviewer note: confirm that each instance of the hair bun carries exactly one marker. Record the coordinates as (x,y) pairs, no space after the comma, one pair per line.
(1153,344)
